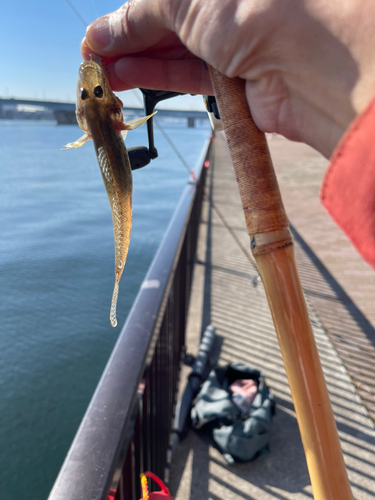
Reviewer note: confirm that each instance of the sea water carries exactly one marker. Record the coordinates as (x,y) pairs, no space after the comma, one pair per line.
(56,281)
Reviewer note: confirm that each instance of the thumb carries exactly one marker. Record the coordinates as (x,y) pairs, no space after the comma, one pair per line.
(132,28)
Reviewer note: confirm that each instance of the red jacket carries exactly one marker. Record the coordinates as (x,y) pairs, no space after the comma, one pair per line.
(348,189)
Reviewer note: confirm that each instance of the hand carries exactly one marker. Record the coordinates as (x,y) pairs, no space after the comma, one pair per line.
(308,64)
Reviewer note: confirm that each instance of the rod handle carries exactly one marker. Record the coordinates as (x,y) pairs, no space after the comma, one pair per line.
(259,190)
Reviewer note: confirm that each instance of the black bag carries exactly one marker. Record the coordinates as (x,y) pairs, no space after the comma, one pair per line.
(239,436)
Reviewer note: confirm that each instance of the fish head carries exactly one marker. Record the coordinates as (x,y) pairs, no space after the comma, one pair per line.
(95,98)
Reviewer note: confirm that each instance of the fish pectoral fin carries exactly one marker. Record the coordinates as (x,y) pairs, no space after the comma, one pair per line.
(78,143)
(137,122)
(124,133)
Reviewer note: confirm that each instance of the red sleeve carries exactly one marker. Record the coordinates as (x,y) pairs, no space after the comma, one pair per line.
(348,189)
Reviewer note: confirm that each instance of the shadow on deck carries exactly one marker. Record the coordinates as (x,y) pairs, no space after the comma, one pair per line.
(226,294)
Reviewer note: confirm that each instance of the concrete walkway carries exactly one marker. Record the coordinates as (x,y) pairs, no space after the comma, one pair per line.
(340,290)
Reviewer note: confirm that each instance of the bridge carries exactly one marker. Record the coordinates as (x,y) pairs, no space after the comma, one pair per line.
(64,112)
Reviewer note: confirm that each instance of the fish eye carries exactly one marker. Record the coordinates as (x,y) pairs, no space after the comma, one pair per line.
(84,94)
(98,91)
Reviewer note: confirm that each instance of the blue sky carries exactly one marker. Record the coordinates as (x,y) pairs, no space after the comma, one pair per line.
(40,49)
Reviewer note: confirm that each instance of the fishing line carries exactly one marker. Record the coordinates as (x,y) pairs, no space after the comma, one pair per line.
(231,231)
(96,12)
(206,194)
(169,140)
(166,136)
(77,13)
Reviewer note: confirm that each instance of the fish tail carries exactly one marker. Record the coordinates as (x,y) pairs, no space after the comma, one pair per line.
(112,315)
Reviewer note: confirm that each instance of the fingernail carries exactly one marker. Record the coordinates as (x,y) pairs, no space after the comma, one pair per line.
(98,35)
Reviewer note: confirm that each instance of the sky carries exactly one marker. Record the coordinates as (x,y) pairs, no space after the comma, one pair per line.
(40,50)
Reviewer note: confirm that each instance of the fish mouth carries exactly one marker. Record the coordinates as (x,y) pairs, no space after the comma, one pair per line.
(89,69)
(94,63)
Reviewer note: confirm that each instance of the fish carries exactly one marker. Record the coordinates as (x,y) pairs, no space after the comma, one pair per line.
(99,115)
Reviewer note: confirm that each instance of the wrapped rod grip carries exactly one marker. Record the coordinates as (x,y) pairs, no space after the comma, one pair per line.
(257,183)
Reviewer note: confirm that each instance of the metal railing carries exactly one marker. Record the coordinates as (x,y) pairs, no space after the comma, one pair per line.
(126,428)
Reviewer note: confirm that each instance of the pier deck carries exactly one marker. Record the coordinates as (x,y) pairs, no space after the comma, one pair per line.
(340,291)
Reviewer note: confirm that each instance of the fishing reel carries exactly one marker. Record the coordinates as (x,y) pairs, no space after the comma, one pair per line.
(140,156)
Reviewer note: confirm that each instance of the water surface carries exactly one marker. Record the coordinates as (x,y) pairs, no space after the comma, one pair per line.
(56,281)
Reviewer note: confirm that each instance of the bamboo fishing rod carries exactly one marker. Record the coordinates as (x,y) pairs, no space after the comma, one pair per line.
(272,246)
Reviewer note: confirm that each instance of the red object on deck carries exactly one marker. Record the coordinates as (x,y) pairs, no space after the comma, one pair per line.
(156,495)
(111,495)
